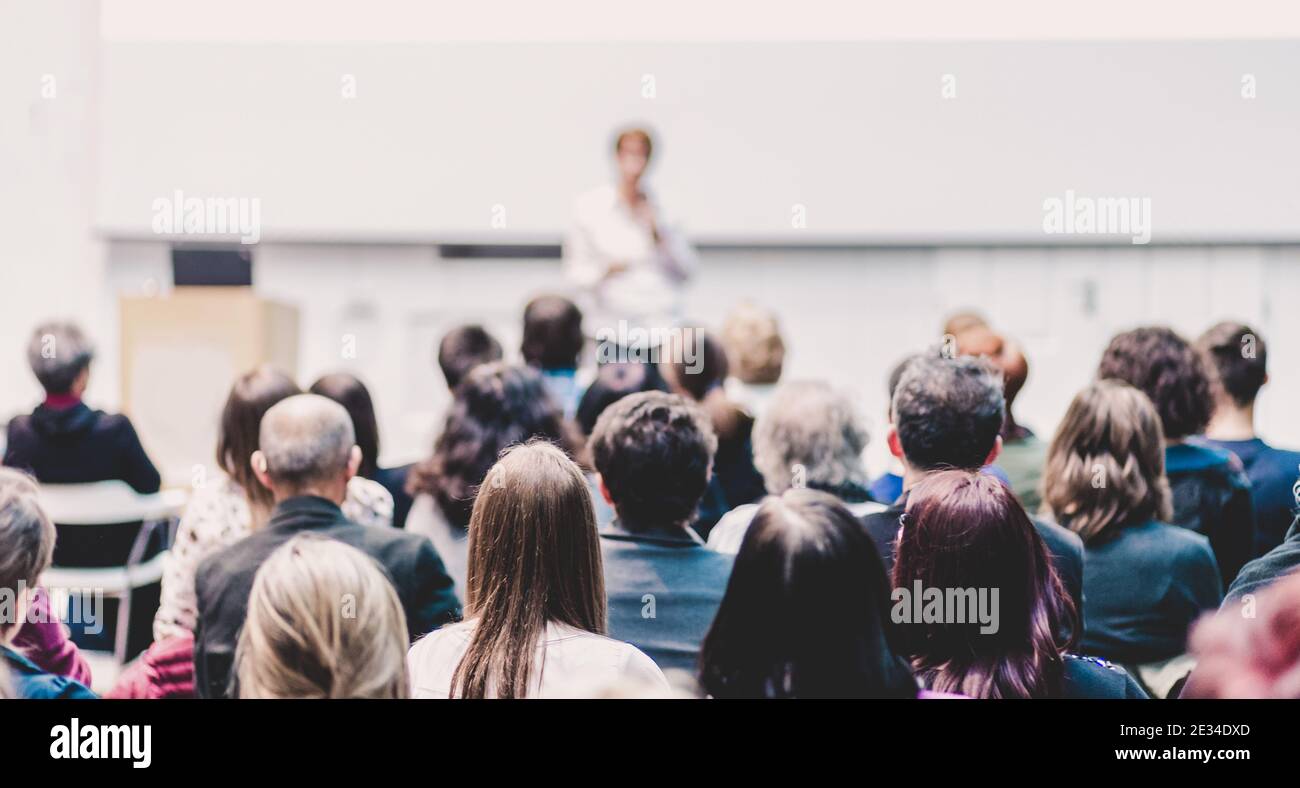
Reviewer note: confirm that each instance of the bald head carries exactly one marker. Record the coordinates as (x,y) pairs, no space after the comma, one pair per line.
(307,446)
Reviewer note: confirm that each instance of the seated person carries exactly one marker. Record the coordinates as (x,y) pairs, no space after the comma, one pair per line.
(308,454)
(462,349)
(553,343)
(1255,656)
(755,356)
(653,452)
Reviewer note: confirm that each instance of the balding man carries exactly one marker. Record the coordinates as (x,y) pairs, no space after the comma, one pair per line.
(308,453)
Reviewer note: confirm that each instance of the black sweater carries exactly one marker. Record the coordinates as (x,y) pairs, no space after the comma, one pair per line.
(75,445)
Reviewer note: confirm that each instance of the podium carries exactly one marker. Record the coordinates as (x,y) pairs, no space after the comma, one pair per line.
(180,354)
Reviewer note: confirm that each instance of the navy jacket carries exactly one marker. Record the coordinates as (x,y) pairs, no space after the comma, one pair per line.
(664,590)
(1272,473)
(225,579)
(76,444)
(32,683)
(1143,586)
(1212,497)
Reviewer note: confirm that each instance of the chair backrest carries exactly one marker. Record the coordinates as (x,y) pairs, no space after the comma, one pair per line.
(99,503)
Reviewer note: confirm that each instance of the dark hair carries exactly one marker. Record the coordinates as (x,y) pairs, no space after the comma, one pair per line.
(462,349)
(250,398)
(697,367)
(58,353)
(496,406)
(614,381)
(641,134)
(966,530)
(806,610)
(948,412)
(654,452)
(553,336)
(1238,360)
(348,391)
(1167,369)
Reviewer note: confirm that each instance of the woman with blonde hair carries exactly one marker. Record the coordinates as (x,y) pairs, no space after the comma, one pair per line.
(1146,580)
(323,622)
(535,609)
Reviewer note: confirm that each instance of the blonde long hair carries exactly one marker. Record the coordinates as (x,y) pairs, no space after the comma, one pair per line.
(323,622)
(534,559)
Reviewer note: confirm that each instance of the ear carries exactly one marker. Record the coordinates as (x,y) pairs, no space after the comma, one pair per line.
(895,445)
(354,461)
(995,452)
(604,491)
(258,463)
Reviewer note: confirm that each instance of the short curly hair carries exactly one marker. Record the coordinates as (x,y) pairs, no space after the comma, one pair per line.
(654,452)
(1166,368)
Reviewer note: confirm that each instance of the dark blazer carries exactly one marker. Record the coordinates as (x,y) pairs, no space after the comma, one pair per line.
(1263,571)
(1064,545)
(1212,497)
(1272,473)
(664,590)
(76,444)
(394,480)
(1089,678)
(225,579)
(1145,585)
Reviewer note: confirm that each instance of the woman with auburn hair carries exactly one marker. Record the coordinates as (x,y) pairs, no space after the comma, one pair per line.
(1146,580)
(535,608)
(1257,656)
(323,622)
(806,562)
(965,536)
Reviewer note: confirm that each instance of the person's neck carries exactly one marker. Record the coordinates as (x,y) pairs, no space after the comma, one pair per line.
(670,530)
(913,476)
(62,401)
(334,496)
(629,190)
(1232,423)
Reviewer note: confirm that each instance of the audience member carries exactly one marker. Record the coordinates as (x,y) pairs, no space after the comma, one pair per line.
(653,452)
(970,548)
(535,610)
(26,549)
(947,413)
(222,511)
(615,380)
(323,622)
(1265,570)
(806,563)
(1239,367)
(496,406)
(553,343)
(1146,580)
(351,393)
(809,436)
(755,355)
(462,349)
(306,457)
(1211,494)
(695,366)
(1250,656)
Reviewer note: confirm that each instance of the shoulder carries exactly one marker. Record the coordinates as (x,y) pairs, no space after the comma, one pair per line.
(598,199)
(1096,678)
(1059,538)
(50,687)
(728,534)
(432,660)
(117,423)
(368,502)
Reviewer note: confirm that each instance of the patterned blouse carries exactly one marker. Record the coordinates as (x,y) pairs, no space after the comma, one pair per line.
(216,517)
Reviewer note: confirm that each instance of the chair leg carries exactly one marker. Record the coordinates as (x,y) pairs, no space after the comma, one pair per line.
(121,638)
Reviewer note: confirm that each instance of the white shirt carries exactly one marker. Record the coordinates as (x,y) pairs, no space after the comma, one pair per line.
(728,534)
(570,663)
(605,231)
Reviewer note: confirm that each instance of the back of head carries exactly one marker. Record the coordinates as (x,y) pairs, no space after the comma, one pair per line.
(534,559)
(755,349)
(496,406)
(58,353)
(948,412)
(812,430)
(696,366)
(614,381)
(241,422)
(307,441)
(1238,360)
(654,452)
(26,539)
(323,622)
(1168,370)
(462,349)
(807,563)
(1106,466)
(1255,656)
(348,391)
(553,337)
(965,534)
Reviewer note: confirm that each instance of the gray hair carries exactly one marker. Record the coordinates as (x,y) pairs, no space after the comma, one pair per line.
(809,428)
(58,352)
(26,533)
(306,438)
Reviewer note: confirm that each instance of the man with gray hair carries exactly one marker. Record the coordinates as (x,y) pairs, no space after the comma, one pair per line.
(306,457)
(63,441)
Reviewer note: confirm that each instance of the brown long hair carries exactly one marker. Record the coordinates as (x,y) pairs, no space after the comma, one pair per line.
(1106,465)
(534,558)
(250,398)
